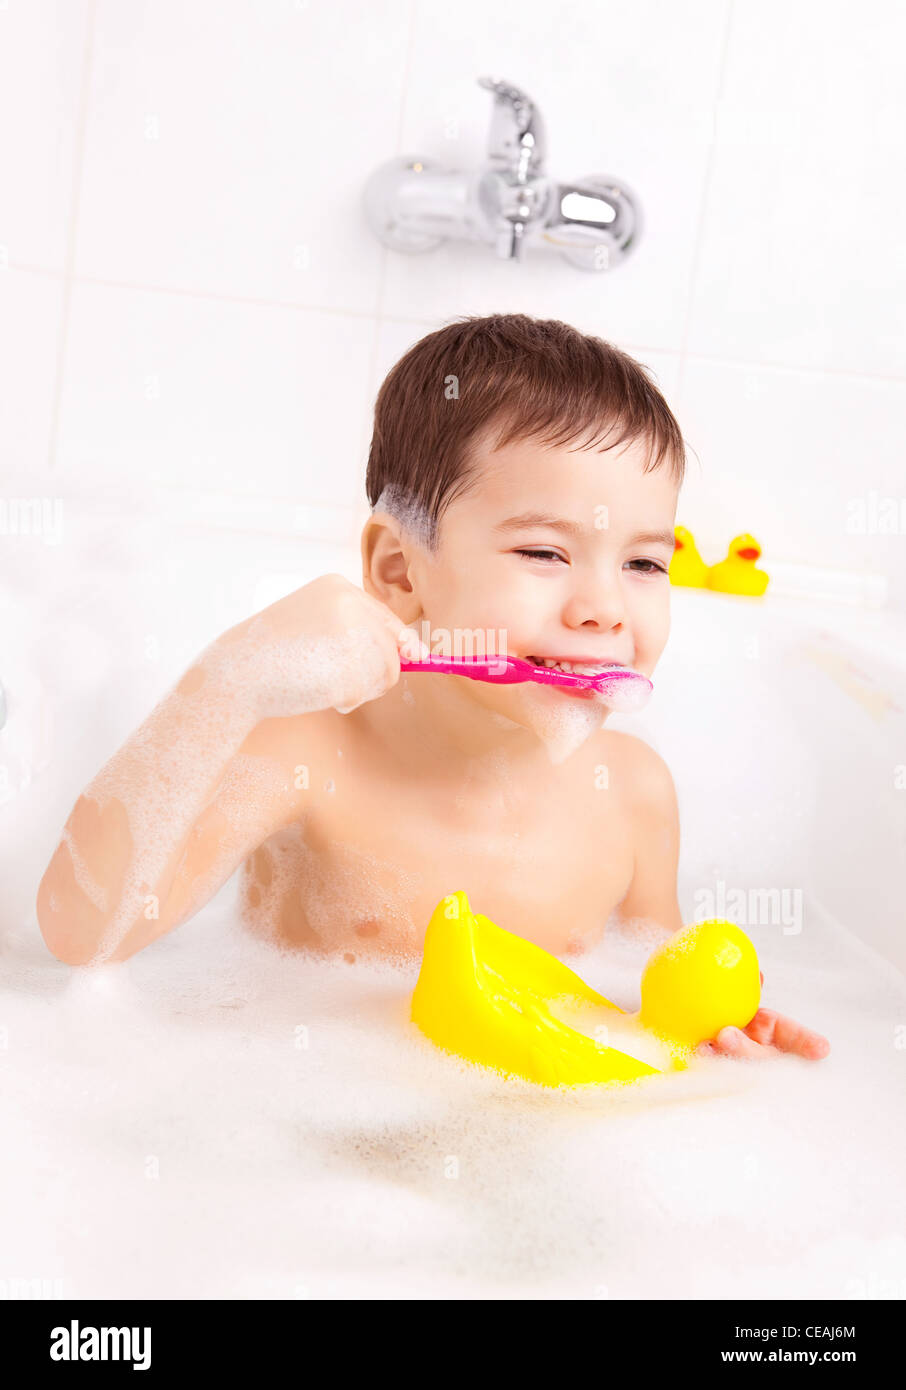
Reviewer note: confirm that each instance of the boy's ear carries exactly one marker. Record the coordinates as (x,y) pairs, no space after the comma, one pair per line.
(385,565)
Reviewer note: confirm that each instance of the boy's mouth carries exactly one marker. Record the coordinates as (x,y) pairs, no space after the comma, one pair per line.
(576,667)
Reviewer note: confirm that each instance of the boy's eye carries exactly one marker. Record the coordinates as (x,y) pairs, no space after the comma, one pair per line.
(541,554)
(640,566)
(652,567)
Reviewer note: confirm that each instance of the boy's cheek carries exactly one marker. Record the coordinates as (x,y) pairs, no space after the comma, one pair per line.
(652,632)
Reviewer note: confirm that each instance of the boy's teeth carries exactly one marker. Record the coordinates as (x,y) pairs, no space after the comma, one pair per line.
(579,668)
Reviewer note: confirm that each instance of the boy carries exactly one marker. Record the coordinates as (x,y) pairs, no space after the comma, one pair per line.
(523,478)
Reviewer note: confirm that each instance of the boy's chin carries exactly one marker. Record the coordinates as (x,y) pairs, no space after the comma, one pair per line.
(561,721)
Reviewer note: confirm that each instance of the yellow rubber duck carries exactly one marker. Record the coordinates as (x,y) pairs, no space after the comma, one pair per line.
(737,574)
(483,993)
(687,567)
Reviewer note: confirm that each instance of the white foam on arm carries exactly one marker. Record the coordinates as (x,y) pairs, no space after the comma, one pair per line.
(129,833)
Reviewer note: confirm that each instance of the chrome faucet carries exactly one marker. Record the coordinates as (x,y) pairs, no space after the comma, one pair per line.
(513,193)
(414,204)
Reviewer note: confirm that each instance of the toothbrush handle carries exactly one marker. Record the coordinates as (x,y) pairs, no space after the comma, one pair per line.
(513,670)
(498,670)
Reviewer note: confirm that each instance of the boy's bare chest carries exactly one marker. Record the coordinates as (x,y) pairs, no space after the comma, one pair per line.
(366,864)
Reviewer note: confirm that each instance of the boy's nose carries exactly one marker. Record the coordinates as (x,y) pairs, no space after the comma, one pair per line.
(601,611)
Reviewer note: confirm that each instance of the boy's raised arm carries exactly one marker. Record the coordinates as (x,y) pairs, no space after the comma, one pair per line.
(157,831)
(147,842)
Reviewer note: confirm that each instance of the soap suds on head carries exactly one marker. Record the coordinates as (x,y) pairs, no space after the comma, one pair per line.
(411,514)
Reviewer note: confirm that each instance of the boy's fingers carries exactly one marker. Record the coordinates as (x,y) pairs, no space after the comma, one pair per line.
(771,1030)
(733,1042)
(788,1035)
(410,645)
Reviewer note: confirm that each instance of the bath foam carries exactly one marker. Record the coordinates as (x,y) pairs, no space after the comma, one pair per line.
(256,677)
(250,776)
(411,514)
(298,675)
(624,697)
(176,777)
(270,884)
(562,722)
(369,1159)
(471,838)
(293,895)
(252,783)
(94,891)
(364,889)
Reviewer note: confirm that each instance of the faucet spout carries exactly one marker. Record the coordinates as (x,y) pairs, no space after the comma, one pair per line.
(513,193)
(517,139)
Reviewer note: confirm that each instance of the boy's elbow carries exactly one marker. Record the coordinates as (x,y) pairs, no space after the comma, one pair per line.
(66,924)
(53,923)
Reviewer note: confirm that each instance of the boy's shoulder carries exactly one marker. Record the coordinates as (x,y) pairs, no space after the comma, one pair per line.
(643,776)
(298,742)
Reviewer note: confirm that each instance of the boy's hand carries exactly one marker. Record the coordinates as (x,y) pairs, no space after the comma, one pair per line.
(768,1032)
(328,645)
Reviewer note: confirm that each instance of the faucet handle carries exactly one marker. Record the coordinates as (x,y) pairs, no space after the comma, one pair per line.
(517,138)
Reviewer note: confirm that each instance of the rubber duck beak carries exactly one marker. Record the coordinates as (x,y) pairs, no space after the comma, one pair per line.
(749,552)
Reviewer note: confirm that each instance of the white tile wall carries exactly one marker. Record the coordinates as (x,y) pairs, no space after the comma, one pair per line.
(802,258)
(204,391)
(30,310)
(191,301)
(44,59)
(227,143)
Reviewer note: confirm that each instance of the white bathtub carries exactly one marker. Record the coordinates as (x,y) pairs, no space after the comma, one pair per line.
(212,1119)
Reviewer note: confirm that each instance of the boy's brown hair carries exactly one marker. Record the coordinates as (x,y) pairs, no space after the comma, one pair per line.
(534,378)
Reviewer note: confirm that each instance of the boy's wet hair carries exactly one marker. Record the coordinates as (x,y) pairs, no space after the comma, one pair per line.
(529,379)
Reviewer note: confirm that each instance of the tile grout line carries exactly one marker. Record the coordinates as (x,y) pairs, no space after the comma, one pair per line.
(296,306)
(219,296)
(628,345)
(68,271)
(702,212)
(663,350)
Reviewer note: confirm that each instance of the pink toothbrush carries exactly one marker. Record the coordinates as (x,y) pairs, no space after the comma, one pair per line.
(622,689)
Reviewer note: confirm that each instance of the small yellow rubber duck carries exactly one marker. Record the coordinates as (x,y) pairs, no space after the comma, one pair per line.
(687,567)
(737,574)
(484,994)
